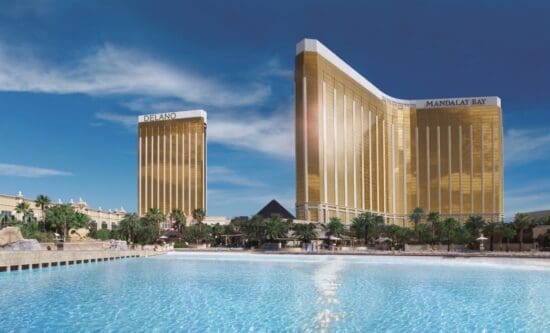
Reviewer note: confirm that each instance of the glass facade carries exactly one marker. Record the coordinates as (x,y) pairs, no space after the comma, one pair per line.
(172,162)
(358,149)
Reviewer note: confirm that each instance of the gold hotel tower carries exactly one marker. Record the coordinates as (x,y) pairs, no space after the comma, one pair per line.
(172,161)
(360,150)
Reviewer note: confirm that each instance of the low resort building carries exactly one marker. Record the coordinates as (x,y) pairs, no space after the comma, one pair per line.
(104,219)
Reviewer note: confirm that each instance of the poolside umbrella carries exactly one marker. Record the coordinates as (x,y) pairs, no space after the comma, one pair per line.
(480,239)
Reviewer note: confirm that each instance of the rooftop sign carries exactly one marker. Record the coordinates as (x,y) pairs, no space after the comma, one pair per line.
(163,116)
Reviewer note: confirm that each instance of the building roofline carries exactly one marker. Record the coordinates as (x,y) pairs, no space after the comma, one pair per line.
(313,45)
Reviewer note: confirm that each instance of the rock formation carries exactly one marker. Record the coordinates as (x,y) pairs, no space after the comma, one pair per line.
(79,235)
(10,235)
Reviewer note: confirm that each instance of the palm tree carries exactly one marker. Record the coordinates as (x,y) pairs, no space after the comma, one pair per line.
(304,232)
(80,220)
(434,218)
(198,215)
(361,224)
(22,208)
(498,232)
(335,227)
(450,226)
(508,232)
(129,226)
(417,216)
(522,221)
(60,217)
(275,228)
(179,219)
(474,224)
(42,201)
(155,216)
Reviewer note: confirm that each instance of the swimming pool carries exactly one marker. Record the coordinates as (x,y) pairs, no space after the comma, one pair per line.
(218,292)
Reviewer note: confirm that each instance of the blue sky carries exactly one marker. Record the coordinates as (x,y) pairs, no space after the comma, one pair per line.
(75,75)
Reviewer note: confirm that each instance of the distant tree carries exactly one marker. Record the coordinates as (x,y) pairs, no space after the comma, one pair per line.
(424,233)
(42,201)
(335,227)
(22,209)
(402,236)
(450,229)
(503,231)
(79,220)
(178,219)
(253,229)
(198,215)
(155,216)
(148,230)
(474,224)
(522,221)
(416,216)
(217,231)
(361,224)
(197,233)
(304,232)
(129,226)
(275,228)
(60,217)
(434,219)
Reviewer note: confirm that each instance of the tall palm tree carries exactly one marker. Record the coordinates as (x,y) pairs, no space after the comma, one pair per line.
(522,221)
(22,208)
(450,226)
(155,216)
(474,224)
(42,201)
(361,224)
(335,227)
(304,232)
(198,215)
(498,232)
(129,226)
(60,217)
(434,218)
(178,218)
(508,232)
(417,216)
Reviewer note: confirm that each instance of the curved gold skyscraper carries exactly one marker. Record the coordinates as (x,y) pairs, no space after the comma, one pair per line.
(360,150)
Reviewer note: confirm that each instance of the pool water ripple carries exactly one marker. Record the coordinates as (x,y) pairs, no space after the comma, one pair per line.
(266,293)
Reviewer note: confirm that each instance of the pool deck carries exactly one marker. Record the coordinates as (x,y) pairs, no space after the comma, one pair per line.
(23,260)
(486,254)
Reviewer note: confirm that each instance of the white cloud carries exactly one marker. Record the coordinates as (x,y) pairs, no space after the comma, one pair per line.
(223,175)
(272,135)
(28,171)
(274,68)
(526,145)
(113,70)
(153,105)
(124,120)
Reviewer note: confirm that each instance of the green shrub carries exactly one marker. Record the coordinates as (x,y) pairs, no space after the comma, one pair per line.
(103,234)
(179,244)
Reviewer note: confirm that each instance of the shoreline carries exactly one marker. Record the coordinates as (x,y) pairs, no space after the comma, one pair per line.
(445,254)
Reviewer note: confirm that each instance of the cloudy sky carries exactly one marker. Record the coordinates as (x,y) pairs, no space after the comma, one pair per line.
(75,75)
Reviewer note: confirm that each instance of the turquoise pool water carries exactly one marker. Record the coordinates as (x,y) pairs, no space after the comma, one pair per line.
(280,293)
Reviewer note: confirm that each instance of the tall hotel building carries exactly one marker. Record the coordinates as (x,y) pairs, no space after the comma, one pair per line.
(360,150)
(172,161)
